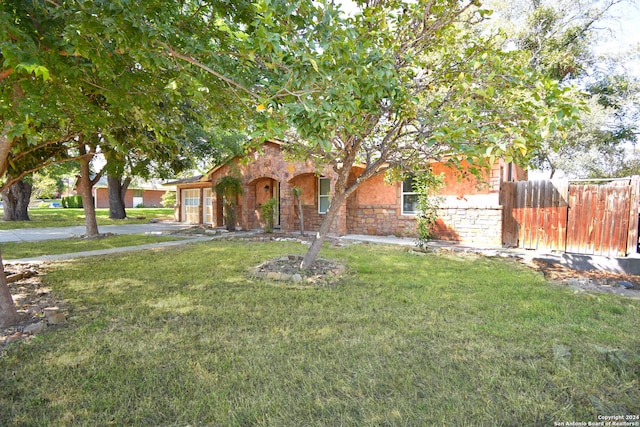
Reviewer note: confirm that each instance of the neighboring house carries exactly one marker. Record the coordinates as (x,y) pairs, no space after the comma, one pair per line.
(140,193)
(469,213)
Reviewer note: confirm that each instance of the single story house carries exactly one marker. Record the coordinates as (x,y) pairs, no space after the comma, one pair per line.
(469,212)
(146,194)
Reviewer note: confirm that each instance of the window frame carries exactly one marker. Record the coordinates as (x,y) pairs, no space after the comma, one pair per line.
(323,196)
(188,199)
(404,193)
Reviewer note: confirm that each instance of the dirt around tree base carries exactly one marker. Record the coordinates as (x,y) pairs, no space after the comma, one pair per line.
(37,307)
(287,269)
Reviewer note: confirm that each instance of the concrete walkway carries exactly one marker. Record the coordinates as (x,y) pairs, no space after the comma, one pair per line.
(40,234)
(97,252)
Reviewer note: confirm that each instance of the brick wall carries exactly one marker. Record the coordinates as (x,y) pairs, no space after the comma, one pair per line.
(151,198)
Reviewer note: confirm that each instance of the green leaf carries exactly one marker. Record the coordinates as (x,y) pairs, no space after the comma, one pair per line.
(314,64)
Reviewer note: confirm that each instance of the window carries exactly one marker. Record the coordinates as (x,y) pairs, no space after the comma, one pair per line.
(138,193)
(324,185)
(191,197)
(409,197)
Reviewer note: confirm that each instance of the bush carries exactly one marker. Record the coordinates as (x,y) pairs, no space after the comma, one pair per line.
(268,213)
(427,185)
(168,199)
(229,187)
(72,201)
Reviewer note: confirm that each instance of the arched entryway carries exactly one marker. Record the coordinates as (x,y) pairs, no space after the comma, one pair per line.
(261,191)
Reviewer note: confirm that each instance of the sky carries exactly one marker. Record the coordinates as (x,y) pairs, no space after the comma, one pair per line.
(625,28)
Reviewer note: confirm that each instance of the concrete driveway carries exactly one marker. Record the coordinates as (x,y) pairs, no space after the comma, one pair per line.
(39,234)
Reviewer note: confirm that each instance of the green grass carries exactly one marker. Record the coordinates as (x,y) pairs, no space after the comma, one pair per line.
(15,250)
(47,217)
(183,337)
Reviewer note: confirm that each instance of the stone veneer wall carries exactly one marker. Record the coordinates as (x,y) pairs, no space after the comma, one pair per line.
(464,224)
(469,224)
(381,220)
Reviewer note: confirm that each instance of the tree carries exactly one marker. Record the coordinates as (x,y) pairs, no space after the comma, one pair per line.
(394,86)
(72,70)
(8,313)
(185,137)
(15,201)
(168,199)
(561,37)
(46,185)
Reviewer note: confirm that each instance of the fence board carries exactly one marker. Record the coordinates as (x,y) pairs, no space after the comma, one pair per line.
(562,202)
(575,211)
(634,201)
(509,223)
(599,238)
(521,211)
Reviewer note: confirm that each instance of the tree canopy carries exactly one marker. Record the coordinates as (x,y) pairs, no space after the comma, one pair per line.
(75,76)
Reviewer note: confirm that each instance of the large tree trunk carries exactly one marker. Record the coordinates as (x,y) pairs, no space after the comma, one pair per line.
(314,250)
(117,189)
(15,201)
(86,185)
(8,313)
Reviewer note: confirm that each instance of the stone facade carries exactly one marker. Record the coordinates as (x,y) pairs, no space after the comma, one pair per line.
(471,212)
(470,224)
(267,173)
(383,220)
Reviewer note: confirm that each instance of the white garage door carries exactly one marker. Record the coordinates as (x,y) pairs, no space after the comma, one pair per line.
(191,206)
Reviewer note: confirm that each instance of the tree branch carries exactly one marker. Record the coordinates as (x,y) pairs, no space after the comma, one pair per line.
(40,166)
(46,144)
(193,61)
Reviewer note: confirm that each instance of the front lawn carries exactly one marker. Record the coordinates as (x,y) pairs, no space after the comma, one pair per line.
(183,336)
(50,217)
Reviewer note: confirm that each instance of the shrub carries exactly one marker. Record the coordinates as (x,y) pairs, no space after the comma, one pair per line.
(72,201)
(427,185)
(229,187)
(268,214)
(168,199)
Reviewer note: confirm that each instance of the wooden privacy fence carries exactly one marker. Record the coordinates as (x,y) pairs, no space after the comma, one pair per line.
(577,218)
